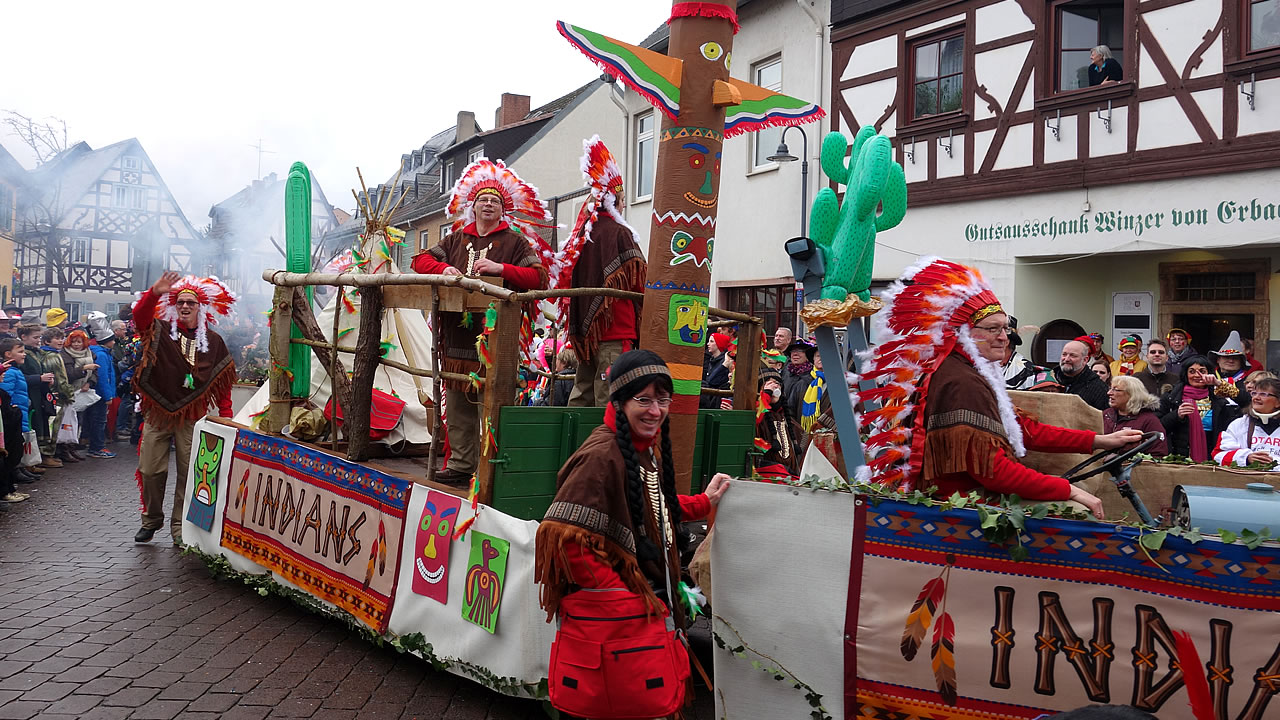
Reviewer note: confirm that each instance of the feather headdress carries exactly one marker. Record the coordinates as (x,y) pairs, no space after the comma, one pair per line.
(928,312)
(523,210)
(604,190)
(214,298)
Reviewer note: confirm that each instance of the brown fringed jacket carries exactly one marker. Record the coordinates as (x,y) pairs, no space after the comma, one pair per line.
(587,538)
(610,259)
(166,404)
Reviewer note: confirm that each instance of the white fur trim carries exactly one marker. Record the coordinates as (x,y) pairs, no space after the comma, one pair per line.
(995,379)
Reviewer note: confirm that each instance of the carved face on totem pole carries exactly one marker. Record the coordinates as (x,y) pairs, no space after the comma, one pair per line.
(701,106)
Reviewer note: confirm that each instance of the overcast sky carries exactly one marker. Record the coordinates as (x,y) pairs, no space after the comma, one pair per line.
(334,84)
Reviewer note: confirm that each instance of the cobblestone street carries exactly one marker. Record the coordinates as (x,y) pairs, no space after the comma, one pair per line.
(94,626)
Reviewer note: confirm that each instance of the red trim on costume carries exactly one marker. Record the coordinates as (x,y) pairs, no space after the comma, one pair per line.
(428,265)
(694,507)
(471,229)
(523,278)
(704,9)
(144,311)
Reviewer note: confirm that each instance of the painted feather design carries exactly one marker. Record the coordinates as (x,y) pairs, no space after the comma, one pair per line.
(921,616)
(1198,695)
(942,652)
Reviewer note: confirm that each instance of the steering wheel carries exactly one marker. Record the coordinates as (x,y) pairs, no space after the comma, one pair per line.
(1112,460)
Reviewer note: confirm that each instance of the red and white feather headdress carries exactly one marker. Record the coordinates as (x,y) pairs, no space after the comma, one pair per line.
(928,311)
(214,298)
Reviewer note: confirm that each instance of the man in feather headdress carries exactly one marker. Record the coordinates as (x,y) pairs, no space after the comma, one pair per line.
(947,419)
(185,368)
(601,252)
(488,238)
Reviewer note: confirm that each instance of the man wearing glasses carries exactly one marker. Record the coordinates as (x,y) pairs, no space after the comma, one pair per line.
(1254,439)
(184,369)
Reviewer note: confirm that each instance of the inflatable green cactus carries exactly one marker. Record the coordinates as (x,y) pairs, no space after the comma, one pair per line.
(847,232)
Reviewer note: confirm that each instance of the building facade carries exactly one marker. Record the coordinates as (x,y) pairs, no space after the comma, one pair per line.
(12,177)
(1132,200)
(95,226)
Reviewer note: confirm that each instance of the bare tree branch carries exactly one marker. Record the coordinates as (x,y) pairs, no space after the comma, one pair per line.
(46,138)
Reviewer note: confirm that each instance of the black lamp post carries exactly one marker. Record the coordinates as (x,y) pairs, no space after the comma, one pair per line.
(783,155)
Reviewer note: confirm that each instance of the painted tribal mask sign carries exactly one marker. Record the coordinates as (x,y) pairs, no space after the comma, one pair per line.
(204,489)
(431,546)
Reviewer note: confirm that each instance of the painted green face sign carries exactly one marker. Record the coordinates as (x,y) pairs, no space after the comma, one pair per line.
(688,321)
(204,489)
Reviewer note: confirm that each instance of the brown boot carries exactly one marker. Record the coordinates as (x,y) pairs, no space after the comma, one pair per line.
(64,454)
(50,462)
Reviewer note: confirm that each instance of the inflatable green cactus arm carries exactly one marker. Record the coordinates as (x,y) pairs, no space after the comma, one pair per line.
(847,233)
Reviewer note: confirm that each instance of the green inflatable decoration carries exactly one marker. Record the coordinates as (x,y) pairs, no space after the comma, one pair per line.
(297,234)
(847,232)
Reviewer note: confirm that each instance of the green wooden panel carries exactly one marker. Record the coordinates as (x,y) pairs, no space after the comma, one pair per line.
(536,441)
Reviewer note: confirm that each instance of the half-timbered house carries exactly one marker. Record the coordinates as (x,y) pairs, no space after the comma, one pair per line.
(12,177)
(1128,206)
(95,226)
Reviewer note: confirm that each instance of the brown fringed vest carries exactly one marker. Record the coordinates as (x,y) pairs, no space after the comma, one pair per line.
(611,259)
(166,403)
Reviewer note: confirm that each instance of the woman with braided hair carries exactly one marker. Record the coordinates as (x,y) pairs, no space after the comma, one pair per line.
(616,507)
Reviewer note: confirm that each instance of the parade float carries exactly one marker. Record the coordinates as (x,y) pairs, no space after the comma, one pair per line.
(833,598)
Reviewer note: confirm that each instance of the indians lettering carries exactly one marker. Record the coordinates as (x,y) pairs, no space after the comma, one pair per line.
(280,505)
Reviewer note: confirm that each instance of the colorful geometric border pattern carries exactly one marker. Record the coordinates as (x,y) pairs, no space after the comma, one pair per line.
(680,133)
(887,701)
(1208,571)
(386,489)
(679,287)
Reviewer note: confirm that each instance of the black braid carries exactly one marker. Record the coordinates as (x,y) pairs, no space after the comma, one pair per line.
(669,488)
(645,548)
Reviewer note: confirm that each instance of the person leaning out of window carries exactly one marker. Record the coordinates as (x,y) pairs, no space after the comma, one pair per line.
(1103,68)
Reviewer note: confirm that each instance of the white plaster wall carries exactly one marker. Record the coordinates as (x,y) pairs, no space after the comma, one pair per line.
(1000,20)
(1181,28)
(1149,74)
(916,168)
(1017,150)
(869,57)
(761,210)
(1065,148)
(1163,123)
(953,165)
(1266,115)
(1211,61)
(982,145)
(868,102)
(1028,100)
(930,27)
(1210,102)
(998,71)
(1103,143)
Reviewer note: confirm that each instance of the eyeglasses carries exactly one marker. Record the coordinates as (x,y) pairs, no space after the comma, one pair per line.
(647,402)
(192,303)
(1265,394)
(996,329)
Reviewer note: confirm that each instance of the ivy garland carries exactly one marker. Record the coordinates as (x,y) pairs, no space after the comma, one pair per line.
(773,668)
(220,569)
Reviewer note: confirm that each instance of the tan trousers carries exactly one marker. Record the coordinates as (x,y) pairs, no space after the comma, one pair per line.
(589,384)
(463,426)
(153,464)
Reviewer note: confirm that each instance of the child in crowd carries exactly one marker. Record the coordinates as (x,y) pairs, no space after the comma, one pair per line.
(14,383)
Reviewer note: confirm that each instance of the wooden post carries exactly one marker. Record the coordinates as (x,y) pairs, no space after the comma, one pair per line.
(499,388)
(436,426)
(310,327)
(368,350)
(279,384)
(746,372)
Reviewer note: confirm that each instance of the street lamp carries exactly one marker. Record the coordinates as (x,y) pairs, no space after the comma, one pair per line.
(783,155)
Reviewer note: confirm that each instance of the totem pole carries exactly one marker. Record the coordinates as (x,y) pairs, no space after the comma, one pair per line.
(297,235)
(701,106)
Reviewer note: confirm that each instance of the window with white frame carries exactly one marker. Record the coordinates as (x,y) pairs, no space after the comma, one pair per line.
(475,155)
(73,312)
(768,75)
(129,162)
(646,154)
(446,178)
(80,250)
(444,229)
(424,239)
(137,198)
(120,196)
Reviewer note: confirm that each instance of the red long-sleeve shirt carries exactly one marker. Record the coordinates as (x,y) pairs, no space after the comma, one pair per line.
(144,315)
(590,571)
(519,278)
(1008,476)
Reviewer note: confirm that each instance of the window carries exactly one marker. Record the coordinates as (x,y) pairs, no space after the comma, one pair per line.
(6,208)
(73,312)
(646,157)
(768,75)
(424,239)
(1081,26)
(1264,25)
(775,304)
(129,162)
(80,250)
(937,76)
(446,179)
(444,229)
(1215,286)
(137,199)
(475,155)
(120,196)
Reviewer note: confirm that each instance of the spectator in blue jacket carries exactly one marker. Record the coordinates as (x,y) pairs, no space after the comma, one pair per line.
(14,381)
(95,418)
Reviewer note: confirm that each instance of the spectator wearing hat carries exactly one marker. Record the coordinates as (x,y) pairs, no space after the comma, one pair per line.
(40,379)
(1157,378)
(54,317)
(1229,373)
(1251,363)
(1019,372)
(1096,343)
(715,374)
(778,435)
(95,421)
(1179,349)
(1130,361)
(6,326)
(795,375)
